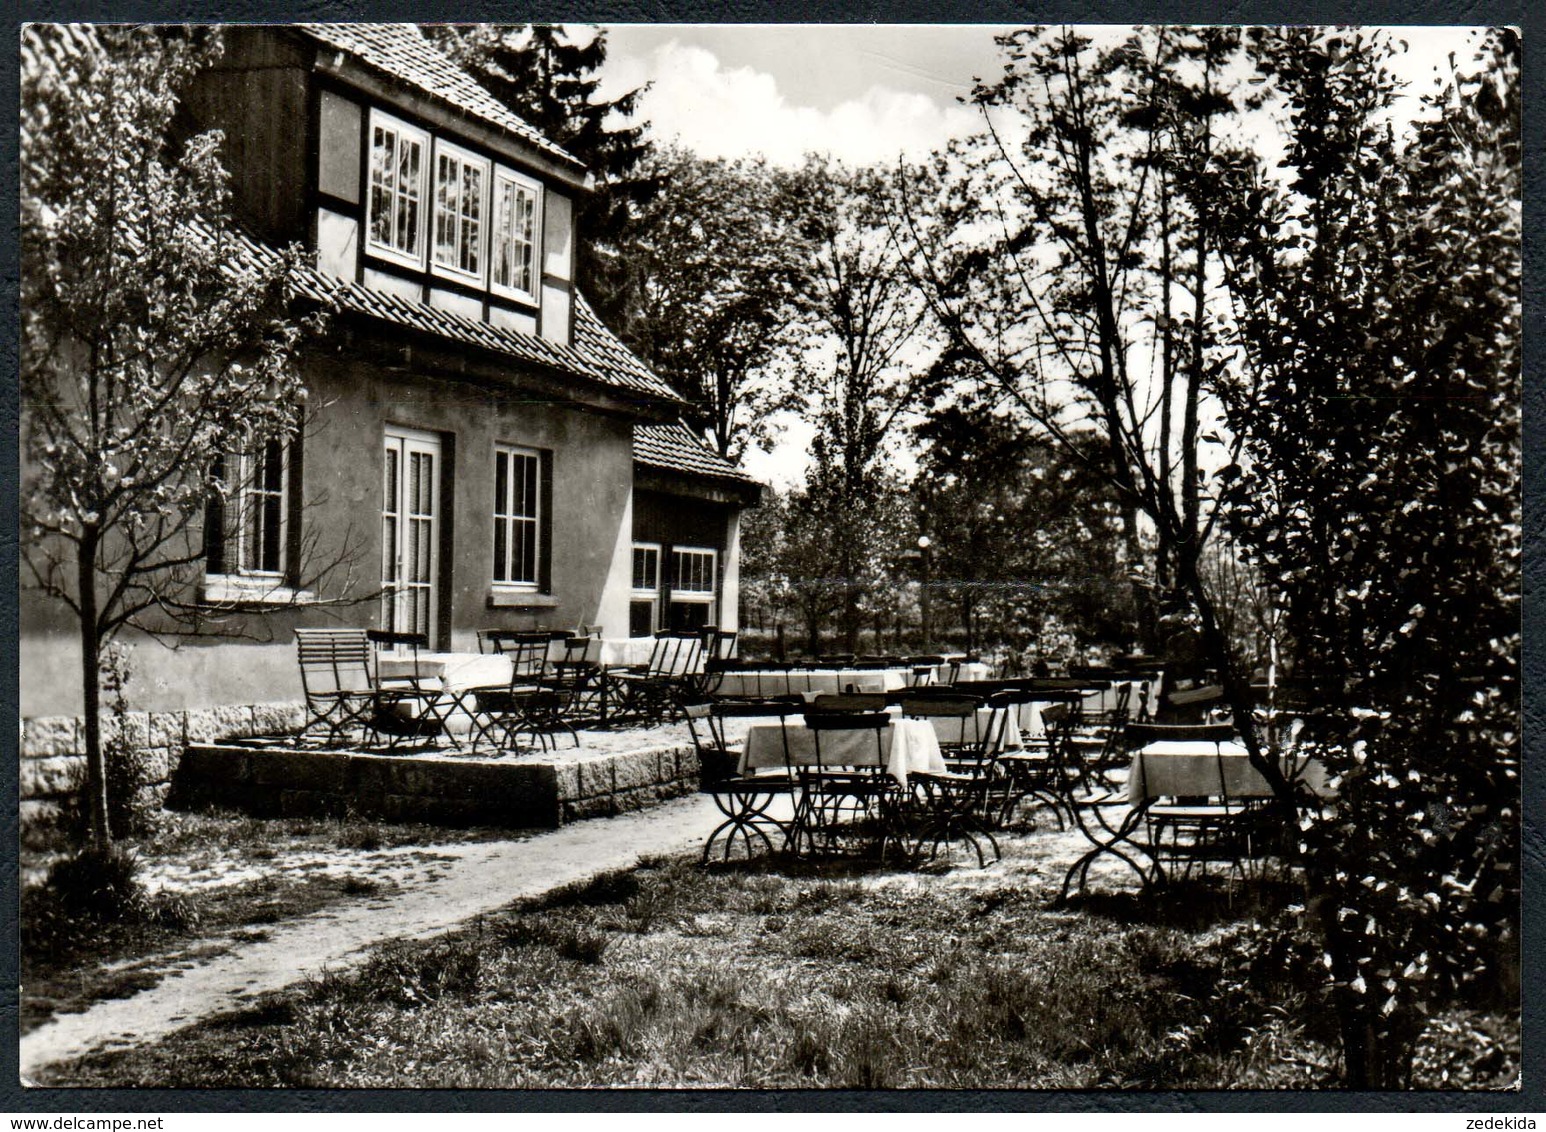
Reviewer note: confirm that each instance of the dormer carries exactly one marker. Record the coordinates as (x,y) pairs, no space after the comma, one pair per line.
(408,177)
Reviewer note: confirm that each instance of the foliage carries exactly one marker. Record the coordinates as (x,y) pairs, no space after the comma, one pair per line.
(1099,164)
(714,262)
(151,343)
(863,364)
(549,78)
(1379,483)
(1021,536)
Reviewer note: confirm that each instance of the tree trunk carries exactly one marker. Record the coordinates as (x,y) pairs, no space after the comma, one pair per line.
(91,659)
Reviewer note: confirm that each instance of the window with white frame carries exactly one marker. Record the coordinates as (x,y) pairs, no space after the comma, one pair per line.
(644,602)
(692,574)
(246,526)
(398,162)
(517,214)
(461,183)
(517,518)
(692,587)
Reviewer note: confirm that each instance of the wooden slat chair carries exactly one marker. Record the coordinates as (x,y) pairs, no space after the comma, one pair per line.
(956,803)
(840,786)
(849,702)
(1043,769)
(924,669)
(744,799)
(1196,829)
(530,704)
(336,681)
(661,688)
(405,709)
(578,676)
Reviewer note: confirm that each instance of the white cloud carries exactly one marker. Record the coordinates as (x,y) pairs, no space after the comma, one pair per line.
(736,112)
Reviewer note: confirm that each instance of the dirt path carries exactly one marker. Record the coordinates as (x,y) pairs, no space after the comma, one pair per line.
(468,880)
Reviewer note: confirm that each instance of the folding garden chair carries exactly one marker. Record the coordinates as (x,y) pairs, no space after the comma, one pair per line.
(849,780)
(744,798)
(403,708)
(660,689)
(336,681)
(956,803)
(1195,828)
(1042,769)
(529,704)
(924,669)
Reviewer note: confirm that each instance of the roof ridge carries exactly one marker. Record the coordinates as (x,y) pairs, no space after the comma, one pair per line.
(420,62)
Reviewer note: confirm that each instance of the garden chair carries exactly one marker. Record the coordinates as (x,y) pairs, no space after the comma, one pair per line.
(531,704)
(744,798)
(660,689)
(1042,769)
(1196,829)
(849,702)
(957,803)
(924,669)
(847,780)
(405,709)
(336,681)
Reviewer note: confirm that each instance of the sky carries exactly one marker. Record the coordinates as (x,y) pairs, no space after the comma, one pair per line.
(863,93)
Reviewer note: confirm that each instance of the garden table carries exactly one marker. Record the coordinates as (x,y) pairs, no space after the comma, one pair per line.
(1111,819)
(908,746)
(759,684)
(459,676)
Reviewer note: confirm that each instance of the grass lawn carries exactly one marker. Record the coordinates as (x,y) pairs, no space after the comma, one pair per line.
(217,880)
(779,976)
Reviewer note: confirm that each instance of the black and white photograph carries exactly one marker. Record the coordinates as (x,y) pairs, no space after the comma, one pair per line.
(878,557)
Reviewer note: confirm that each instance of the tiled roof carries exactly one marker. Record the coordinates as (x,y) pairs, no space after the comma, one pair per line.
(596,354)
(676,448)
(402,51)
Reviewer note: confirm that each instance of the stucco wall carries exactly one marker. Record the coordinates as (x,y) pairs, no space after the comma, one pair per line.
(355,400)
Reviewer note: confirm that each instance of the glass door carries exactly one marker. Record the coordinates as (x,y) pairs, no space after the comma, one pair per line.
(410,542)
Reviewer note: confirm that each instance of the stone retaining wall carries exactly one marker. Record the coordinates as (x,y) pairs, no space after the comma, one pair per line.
(526,792)
(53,750)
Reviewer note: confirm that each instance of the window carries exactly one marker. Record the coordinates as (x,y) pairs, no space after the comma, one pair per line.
(645,599)
(397,161)
(517,518)
(246,527)
(514,250)
(692,587)
(692,575)
(460,183)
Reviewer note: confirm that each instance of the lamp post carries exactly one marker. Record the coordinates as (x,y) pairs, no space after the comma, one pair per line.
(924,542)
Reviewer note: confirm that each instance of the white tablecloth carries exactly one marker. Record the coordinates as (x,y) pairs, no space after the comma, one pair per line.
(453,670)
(621,652)
(960,730)
(908,746)
(801,681)
(1187,769)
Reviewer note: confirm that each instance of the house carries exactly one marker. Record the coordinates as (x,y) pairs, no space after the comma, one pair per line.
(483,452)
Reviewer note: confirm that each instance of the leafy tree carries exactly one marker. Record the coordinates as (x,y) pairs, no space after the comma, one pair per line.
(152,343)
(715,263)
(1021,536)
(1101,171)
(549,78)
(1379,484)
(863,365)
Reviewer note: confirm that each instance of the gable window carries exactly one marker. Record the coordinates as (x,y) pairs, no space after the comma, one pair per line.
(397,168)
(644,600)
(461,185)
(693,576)
(247,526)
(517,518)
(514,249)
